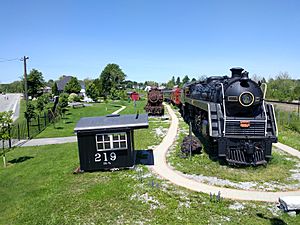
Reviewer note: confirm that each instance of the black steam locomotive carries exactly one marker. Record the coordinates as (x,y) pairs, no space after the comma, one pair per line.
(231,113)
(154,104)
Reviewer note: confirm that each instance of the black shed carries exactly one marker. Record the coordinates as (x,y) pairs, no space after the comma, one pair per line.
(108,142)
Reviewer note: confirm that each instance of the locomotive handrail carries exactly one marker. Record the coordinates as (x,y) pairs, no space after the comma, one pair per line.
(266,117)
(275,120)
(224,108)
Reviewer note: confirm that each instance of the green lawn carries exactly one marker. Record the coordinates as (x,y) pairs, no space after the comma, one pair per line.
(65,126)
(277,170)
(21,117)
(290,138)
(38,187)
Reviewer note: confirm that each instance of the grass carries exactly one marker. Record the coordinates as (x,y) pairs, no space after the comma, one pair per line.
(38,187)
(289,128)
(277,170)
(65,126)
(21,117)
(290,138)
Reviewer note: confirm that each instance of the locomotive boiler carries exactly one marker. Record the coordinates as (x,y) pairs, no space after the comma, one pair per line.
(154,104)
(231,113)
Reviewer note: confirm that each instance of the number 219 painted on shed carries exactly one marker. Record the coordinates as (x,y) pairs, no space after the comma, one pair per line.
(112,157)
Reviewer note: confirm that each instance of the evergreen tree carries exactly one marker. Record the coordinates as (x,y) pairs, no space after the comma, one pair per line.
(55,89)
(178,81)
(185,79)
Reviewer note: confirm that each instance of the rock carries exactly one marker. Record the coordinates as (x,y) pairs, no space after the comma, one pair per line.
(289,203)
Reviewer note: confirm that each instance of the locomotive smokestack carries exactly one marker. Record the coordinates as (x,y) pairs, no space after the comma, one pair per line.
(236,72)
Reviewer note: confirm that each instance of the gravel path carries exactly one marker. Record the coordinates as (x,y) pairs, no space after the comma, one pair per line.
(162,168)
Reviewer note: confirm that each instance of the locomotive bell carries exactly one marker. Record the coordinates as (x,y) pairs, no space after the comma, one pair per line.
(236,72)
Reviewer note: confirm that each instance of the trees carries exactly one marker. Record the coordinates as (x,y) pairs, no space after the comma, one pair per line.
(73,86)
(55,89)
(30,111)
(185,79)
(35,82)
(111,77)
(92,92)
(171,83)
(281,87)
(178,81)
(5,122)
(14,87)
(42,102)
(151,83)
(63,102)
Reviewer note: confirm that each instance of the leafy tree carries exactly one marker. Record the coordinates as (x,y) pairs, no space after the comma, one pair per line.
(14,87)
(35,82)
(63,102)
(171,83)
(30,111)
(92,92)
(50,83)
(55,89)
(88,81)
(194,79)
(297,92)
(40,103)
(5,123)
(111,77)
(185,79)
(73,86)
(178,81)
(281,87)
(117,94)
(151,83)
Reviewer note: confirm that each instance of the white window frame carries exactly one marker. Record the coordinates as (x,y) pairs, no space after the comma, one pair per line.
(111,141)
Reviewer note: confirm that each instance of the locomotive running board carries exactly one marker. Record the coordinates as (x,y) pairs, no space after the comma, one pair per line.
(204,105)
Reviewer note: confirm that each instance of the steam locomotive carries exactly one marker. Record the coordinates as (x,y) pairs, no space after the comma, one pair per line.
(230,112)
(154,105)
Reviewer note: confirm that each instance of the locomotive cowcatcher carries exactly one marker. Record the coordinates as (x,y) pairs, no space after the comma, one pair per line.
(231,113)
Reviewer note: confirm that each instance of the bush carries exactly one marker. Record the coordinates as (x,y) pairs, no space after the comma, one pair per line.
(74,98)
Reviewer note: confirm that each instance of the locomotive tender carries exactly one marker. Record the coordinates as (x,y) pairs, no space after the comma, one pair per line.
(232,114)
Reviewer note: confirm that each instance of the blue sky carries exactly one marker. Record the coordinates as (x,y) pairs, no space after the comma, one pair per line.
(150,40)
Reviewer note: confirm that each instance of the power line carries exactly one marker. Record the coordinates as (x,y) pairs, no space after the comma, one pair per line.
(8,60)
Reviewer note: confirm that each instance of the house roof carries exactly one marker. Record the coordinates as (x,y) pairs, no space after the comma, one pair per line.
(63,82)
(113,121)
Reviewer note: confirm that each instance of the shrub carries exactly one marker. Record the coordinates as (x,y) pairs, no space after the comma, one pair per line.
(73,98)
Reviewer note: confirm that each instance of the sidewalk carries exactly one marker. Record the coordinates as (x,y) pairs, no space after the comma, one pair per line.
(162,168)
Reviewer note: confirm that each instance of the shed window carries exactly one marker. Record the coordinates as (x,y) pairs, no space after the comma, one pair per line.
(114,141)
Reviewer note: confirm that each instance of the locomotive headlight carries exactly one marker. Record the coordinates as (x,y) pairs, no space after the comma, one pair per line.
(246,99)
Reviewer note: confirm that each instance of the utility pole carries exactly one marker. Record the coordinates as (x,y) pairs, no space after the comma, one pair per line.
(25,79)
